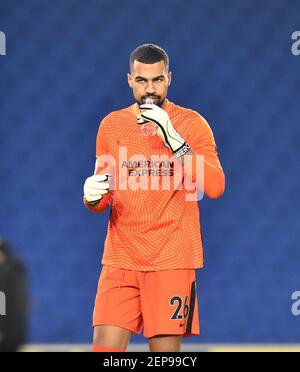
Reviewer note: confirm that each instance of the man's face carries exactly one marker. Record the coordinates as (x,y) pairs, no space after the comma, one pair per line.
(149,81)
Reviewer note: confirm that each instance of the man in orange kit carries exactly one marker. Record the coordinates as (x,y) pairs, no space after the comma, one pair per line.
(154,243)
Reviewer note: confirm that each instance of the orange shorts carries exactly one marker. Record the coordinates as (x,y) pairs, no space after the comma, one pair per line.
(163,302)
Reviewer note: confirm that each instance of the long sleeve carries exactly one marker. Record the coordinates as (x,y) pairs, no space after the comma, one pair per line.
(202,142)
(102,148)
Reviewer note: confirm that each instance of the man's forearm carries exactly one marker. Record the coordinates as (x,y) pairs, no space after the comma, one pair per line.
(181,159)
(214,178)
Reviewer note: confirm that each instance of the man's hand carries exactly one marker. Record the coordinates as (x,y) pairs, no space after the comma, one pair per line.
(165,129)
(95,187)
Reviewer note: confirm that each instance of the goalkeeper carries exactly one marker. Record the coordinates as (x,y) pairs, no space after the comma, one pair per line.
(154,244)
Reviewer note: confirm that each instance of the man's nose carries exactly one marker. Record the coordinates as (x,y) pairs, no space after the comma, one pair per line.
(150,88)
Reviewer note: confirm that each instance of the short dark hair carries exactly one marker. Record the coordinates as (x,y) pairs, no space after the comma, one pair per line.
(148,54)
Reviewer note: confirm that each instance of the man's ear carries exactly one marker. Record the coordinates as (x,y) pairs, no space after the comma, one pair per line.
(170,77)
(129,78)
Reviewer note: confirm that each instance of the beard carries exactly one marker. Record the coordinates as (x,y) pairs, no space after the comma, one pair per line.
(156,100)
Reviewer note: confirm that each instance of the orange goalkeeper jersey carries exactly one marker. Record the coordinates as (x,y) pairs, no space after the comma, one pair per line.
(154,229)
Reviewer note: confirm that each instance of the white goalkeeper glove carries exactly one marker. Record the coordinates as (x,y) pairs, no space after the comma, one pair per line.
(165,130)
(95,187)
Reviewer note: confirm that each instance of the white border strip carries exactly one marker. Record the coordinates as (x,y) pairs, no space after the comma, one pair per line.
(185,348)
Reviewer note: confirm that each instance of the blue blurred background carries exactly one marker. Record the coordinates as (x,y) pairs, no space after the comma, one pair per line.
(65,69)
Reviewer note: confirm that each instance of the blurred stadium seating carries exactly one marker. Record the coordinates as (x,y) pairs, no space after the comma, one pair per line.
(66,68)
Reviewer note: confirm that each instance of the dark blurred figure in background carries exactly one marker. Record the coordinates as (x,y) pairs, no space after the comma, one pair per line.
(13,325)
